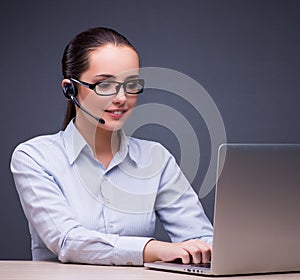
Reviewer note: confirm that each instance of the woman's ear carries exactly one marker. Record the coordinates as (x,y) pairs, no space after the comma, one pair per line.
(69,89)
(64,82)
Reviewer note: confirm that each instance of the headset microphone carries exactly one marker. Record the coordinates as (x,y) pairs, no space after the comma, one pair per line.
(70,92)
(74,99)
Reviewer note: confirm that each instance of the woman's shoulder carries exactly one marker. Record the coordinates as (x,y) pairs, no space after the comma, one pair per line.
(144,150)
(42,143)
(143,144)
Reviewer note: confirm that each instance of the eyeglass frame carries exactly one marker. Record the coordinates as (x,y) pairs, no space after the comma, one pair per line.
(118,86)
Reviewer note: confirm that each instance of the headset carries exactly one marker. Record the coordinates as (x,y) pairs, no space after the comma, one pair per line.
(70,92)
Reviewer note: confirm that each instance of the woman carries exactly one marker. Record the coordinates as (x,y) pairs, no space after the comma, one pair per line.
(91,194)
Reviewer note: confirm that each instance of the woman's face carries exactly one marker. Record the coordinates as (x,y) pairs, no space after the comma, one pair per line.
(111,63)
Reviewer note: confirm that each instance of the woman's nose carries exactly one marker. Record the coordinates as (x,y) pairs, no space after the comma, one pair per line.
(120,98)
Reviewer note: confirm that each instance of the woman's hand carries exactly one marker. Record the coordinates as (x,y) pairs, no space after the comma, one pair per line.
(191,251)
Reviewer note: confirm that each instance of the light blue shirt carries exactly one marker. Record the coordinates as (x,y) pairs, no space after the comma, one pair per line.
(80,212)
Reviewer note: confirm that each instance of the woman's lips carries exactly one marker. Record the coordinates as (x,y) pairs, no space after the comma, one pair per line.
(116,114)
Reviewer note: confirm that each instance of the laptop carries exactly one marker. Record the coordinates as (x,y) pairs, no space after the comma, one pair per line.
(257,212)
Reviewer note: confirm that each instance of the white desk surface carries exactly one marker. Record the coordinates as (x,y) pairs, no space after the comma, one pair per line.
(29,270)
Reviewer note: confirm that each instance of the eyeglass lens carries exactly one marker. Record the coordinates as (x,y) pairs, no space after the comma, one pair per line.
(111,87)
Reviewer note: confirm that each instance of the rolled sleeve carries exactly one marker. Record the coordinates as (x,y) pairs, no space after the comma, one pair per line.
(129,250)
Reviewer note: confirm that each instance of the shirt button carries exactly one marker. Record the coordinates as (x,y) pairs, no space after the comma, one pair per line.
(107,201)
(110,226)
(129,263)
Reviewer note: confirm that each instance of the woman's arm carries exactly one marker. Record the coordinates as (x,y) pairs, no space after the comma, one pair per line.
(50,214)
(179,209)
(182,215)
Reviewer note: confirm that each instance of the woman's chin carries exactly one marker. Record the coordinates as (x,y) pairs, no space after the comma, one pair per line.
(112,125)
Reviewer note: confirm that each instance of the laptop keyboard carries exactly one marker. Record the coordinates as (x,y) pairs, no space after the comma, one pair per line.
(207,265)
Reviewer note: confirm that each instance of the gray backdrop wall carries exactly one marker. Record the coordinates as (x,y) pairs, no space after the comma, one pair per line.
(245,53)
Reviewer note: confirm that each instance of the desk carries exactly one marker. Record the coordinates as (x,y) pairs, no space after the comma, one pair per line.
(29,270)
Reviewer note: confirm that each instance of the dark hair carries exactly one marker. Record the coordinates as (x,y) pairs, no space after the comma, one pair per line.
(75,56)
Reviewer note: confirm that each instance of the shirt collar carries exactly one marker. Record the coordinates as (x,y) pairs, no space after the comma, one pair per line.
(134,150)
(75,143)
(125,149)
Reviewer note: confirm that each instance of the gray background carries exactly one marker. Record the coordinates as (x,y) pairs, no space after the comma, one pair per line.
(246,54)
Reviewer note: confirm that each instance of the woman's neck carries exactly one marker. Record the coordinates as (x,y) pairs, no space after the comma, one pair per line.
(104,143)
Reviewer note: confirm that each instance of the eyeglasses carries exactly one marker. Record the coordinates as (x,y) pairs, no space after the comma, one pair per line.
(107,88)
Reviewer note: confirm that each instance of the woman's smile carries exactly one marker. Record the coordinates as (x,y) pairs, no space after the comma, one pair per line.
(116,114)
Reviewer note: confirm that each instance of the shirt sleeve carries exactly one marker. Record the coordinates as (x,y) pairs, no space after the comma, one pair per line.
(49,213)
(178,207)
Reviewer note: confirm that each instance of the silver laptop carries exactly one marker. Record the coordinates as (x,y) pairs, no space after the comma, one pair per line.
(257,212)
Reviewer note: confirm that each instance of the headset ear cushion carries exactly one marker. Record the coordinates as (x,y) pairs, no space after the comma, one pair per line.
(69,90)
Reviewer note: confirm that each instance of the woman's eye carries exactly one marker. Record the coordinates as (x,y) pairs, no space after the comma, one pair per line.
(104,85)
(132,85)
